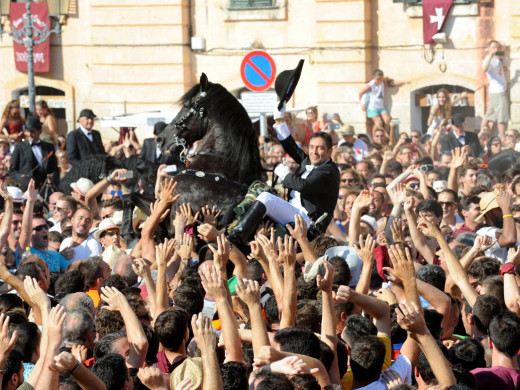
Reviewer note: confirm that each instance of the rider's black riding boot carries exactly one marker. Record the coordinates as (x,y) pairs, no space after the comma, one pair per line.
(247,225)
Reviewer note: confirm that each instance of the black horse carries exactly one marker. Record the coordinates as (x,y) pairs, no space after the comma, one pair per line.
(227,159)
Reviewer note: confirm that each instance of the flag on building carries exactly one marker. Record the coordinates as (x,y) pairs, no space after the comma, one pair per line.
(435,13)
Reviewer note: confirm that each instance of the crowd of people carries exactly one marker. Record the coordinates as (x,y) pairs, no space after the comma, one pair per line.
(383,260)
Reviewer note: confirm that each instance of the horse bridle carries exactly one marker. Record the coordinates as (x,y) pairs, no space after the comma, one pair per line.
(197,109)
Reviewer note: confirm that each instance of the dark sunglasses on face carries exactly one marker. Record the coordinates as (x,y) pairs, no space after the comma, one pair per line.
(446,203)
(16,222)
(414,185)
(60,209)
(347,180)
(116,193)
(39,228)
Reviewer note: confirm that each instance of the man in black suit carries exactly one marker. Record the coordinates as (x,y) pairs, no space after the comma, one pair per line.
(151,152)
(458,137)
(84,141)
(314,186)
(33,158)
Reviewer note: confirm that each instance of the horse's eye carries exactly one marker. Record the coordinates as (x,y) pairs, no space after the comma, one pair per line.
(159,140)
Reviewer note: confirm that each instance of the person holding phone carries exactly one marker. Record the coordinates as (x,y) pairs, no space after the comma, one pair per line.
(495,65)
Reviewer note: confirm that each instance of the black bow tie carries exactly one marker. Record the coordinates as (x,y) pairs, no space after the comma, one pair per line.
(36,143)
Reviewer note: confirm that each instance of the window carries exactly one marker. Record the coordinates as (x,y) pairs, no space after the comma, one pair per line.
(237,4)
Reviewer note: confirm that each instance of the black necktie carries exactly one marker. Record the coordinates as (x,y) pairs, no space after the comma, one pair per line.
(36,144)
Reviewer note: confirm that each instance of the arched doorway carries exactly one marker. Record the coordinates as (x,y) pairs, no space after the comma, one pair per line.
(423,98)
(54,97)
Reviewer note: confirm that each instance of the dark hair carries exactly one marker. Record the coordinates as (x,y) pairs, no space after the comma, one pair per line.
(367,356)
(112,371)
(324,136)
(323,242)
(394,165)
(10,301)
(158,127)
(298,340)
(91,269)
(254,270)
(465,203)
(305,382)
(429,205)
(357,327)
(153,344)
(485,308)
(71,202)
(432,274)
(104,345)
(308,316)
(425,370)
(78,327)
(433,320)
(115,281)
(170,327)
(378,73)
(465,379)
(495,287)
(273,380)
(115,203)
(469,354)
(271,310)
(341,271)
(234,376)
(28,340)
(108,322)
(188,298)
(13,365)
(30,269)
(68,283)
(483,268)
(504,331)
(452,193)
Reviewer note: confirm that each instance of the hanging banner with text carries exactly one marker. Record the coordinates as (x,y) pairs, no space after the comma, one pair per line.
(41,24)
(434,16)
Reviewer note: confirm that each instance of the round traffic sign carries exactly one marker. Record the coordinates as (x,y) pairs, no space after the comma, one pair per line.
(258,70)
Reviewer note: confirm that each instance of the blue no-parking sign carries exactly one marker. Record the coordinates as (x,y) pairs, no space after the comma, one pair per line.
(258,71)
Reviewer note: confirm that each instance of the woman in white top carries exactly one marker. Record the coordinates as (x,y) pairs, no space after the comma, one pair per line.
(440,112)
(372,99)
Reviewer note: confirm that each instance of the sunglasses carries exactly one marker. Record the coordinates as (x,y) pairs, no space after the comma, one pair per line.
(60,209)
(16,222)
(340,196)
(347,180)
(116,193)
(446,203)
(39,228)
(413,186)
(415,136)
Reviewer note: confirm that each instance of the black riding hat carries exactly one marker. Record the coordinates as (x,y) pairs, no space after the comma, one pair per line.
(286,82)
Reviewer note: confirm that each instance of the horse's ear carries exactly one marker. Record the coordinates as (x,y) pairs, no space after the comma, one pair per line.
(203,82)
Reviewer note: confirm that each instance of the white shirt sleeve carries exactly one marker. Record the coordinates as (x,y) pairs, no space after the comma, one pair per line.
(403,367)
(282,131)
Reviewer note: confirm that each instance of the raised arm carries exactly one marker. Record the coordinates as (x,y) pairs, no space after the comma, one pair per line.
(287,257)
(365,250)
(299,233)
(164,252)
(508,236)
(249,293)
(418,238)
(25,236)
(134,331)
(215,287)
(328,319)
(7,342)
(5,226)
(142,269)
(86,379)
(361,203)
(276,280)
(460,157)
(511,290)
(404,271)
(99,187)
(206,341)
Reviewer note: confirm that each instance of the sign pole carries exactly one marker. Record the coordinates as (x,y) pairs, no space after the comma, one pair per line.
(263,124)
(28,42)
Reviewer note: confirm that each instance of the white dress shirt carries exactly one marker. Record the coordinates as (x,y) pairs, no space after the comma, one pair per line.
(88,133)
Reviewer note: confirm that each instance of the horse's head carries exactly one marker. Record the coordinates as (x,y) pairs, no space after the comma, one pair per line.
(190,124)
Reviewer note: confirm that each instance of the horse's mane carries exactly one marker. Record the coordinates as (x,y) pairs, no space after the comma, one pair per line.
(241,139)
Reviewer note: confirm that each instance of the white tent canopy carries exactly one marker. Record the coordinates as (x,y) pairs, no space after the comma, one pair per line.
(141,119)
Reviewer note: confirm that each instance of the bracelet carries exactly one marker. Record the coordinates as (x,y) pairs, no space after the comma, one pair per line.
(507,268)
(75,368)
(507,215)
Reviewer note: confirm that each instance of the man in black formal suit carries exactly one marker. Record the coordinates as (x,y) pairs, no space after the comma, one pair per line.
(458,137)
(84,141)
(151,152)
(33,158)
(314,186)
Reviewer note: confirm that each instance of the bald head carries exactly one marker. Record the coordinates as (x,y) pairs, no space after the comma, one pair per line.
(79,300)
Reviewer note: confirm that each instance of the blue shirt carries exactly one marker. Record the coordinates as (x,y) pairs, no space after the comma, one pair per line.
(54,260)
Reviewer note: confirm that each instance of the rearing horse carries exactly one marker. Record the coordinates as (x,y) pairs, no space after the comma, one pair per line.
(227,159)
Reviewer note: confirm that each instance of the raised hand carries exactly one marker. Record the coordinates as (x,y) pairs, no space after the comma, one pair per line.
(221,254)
(403,269)
(248,291)
(504,201)
(152,378)
(80,352)
(141,268)
(408,203)
(429,229)
(292,365)
(114,298)
(397,230)
(115,176)
(256,251)
(64,362)
(36,294)
(6,342)
(264,228)
(212,282)
(167,189)
(364,199)
(381,239)
(287,251)
(324,283)
(391,379)
(410,318)
(185,209)
(32,193)
(483,243)
(55,325)
(344,294)
(203,332)
(155,207)
(299,232)
(5,194)
(180,222)
(207,232)
(186,246)
(400,193)
(267,246)
(459,157)
(513,256)
(365,249)
(165,251)
(210,215)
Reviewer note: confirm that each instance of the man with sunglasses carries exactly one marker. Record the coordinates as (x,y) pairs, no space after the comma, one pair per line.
(34,236)
(448,201)
(110,187)
(65,207)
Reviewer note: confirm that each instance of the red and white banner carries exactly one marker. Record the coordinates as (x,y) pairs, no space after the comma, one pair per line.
(435,13)
(41,22)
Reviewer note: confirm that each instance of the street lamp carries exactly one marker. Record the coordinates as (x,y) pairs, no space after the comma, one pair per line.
(27,35)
